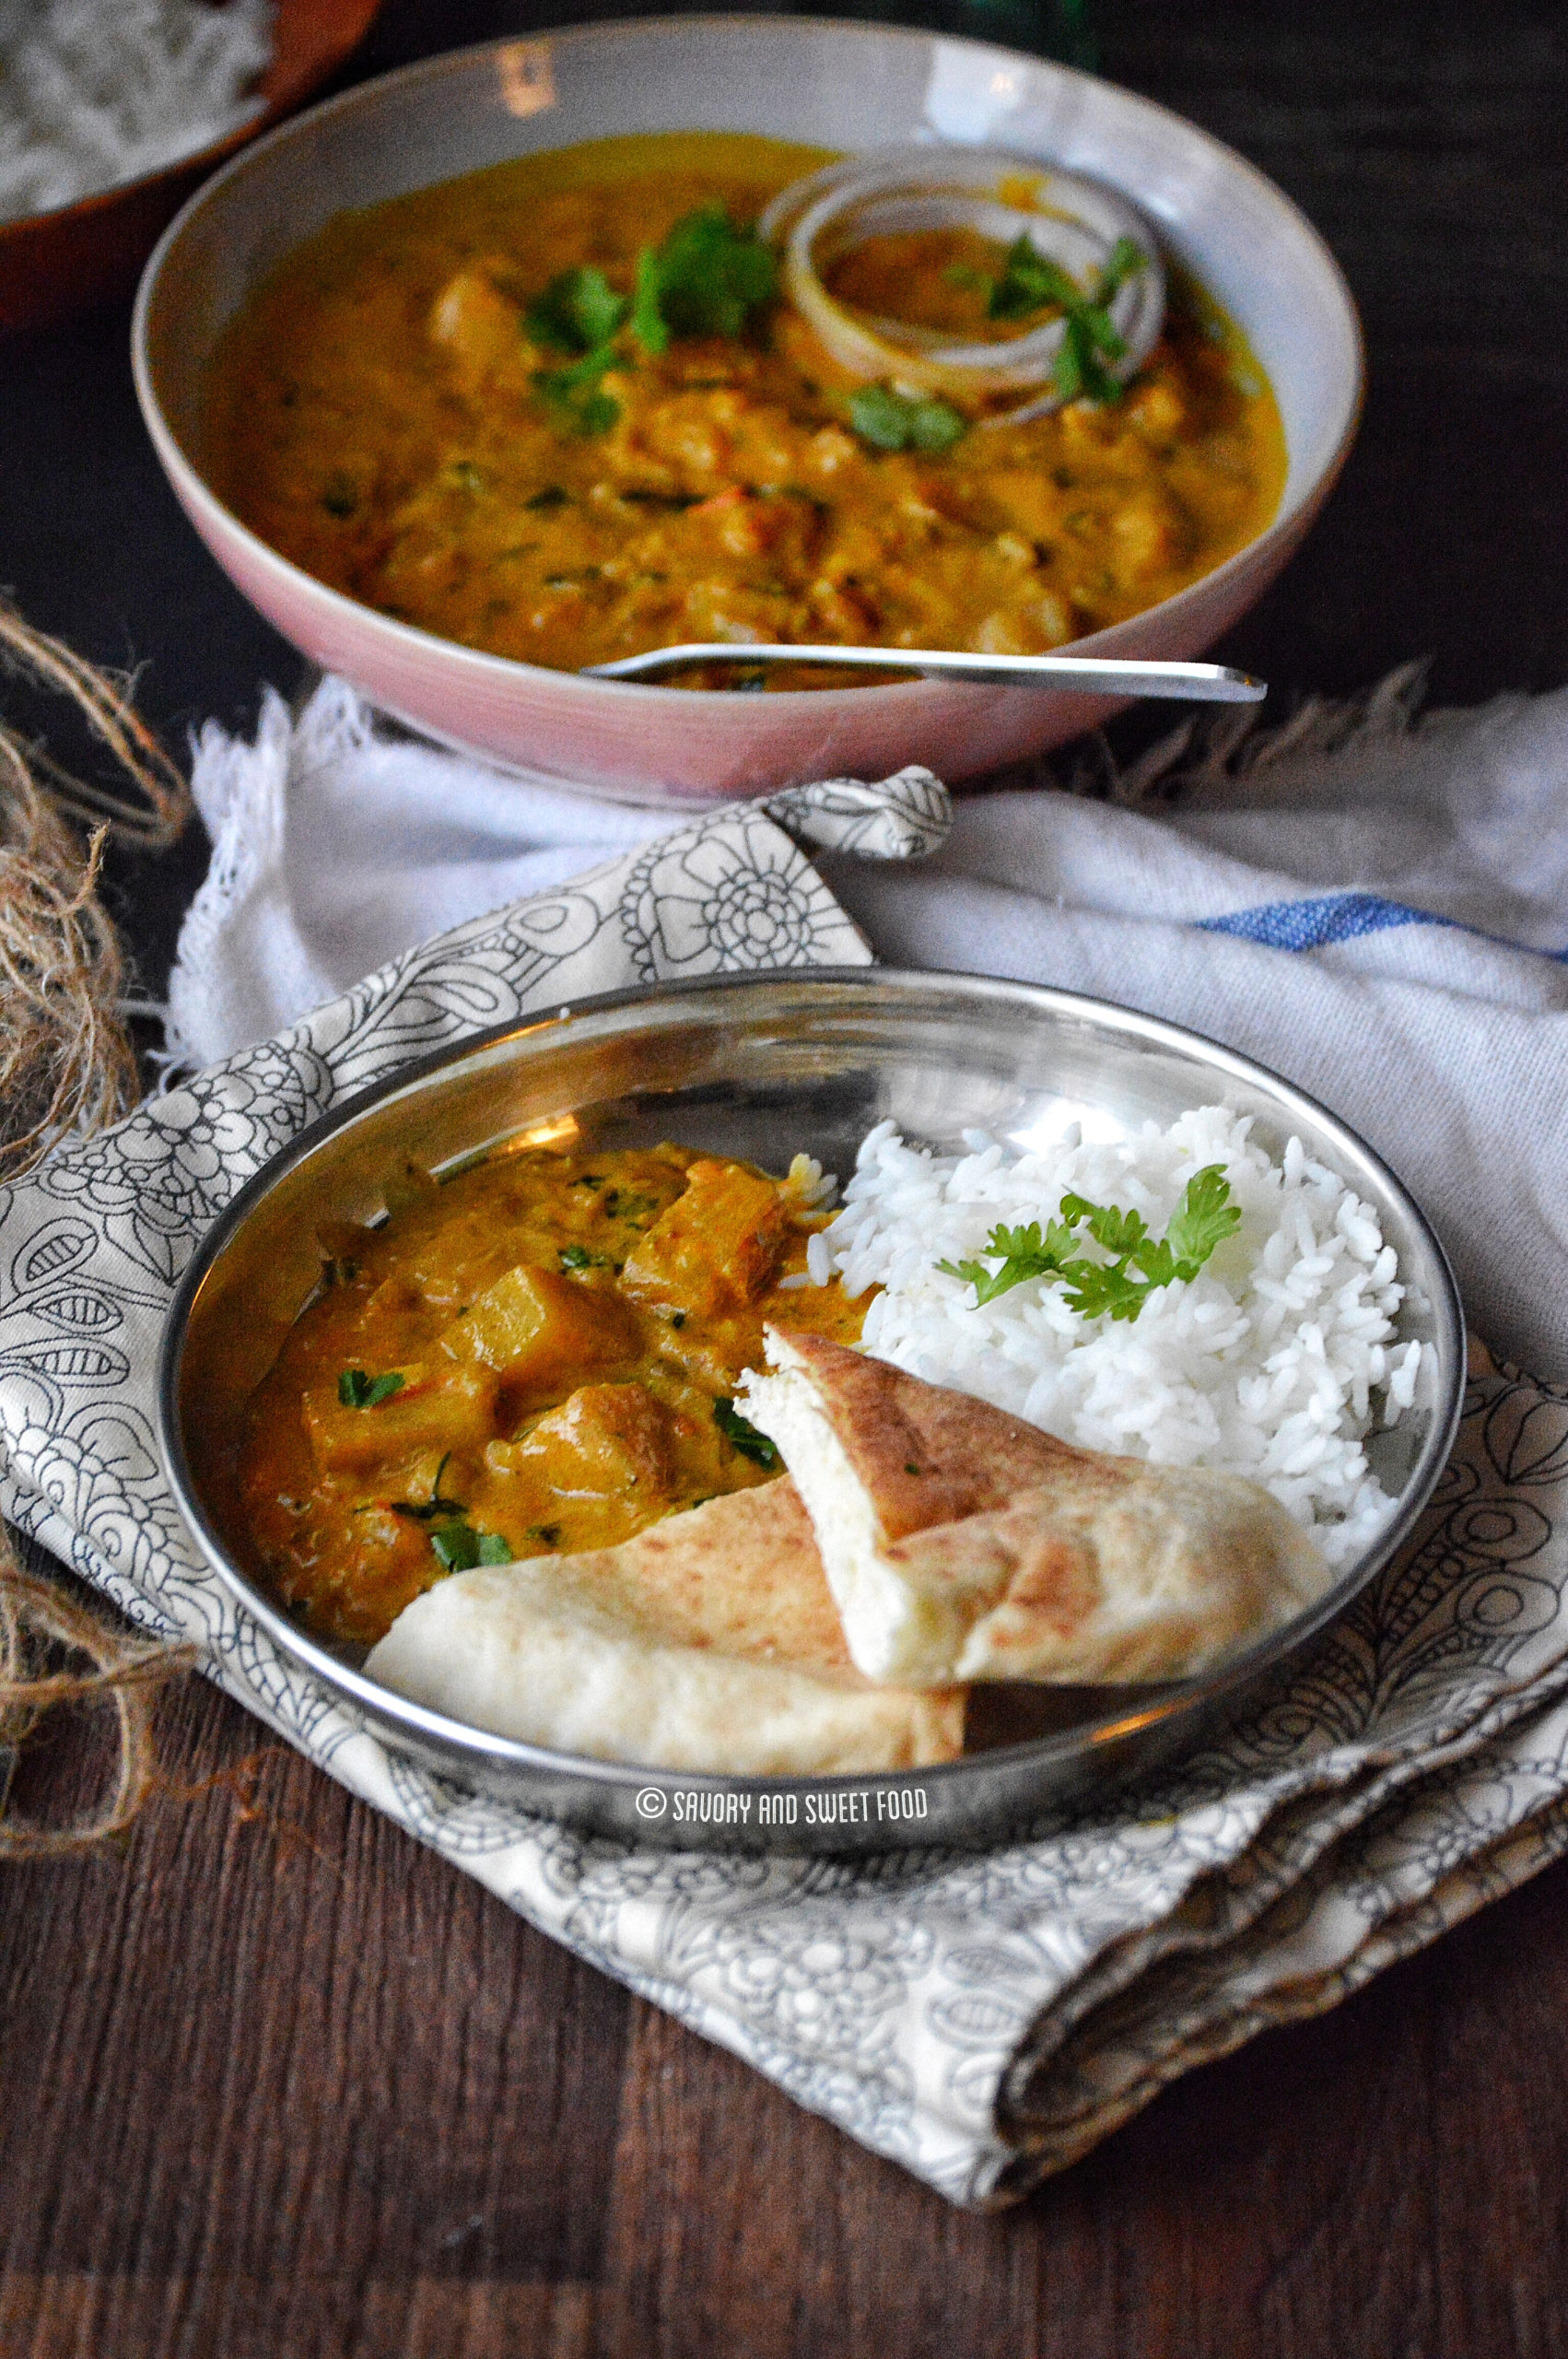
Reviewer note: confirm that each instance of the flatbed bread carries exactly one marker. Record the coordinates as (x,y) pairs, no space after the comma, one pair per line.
(961,1543)
(709,1642)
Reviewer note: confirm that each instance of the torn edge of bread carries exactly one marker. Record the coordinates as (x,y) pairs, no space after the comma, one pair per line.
(1088,1568)
(894,1628)
(547,1651)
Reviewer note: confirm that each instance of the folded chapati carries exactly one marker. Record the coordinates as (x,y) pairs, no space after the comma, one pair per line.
(708,1642)
(961,1543)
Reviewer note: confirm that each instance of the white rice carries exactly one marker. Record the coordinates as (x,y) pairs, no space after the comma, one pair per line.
(1275,1362)
(94,93)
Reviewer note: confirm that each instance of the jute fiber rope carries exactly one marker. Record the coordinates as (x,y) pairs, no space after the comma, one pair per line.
(40,1629)
(67,1069)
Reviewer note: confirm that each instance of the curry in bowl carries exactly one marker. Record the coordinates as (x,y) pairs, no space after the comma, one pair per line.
(561,411)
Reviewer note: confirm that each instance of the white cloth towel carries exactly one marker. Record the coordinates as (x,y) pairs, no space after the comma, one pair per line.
(980,2018)
(1375,906)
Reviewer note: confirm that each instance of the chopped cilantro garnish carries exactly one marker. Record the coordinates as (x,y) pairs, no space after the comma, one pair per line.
(357,1391)
(436,1510)
(706,280)
(578,1256)
(1203,1217)
(626,1205)
(433,1511)
(573,395)
(580,311)
(744,1437)
(457,1546)
(460,1547)
(577,311)
(888,421)
(1025,1252)
(553,496)
(1031,281)
(1126,259)
(635,495)
(648,317)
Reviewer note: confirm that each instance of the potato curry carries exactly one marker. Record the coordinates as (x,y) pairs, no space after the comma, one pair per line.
(557,410)
(538,1356)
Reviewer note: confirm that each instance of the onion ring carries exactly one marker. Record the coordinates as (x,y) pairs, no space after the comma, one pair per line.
(1074,221)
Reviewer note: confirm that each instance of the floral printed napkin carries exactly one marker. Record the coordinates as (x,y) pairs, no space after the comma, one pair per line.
(980,2018)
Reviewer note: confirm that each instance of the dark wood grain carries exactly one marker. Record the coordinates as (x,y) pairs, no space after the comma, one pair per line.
(276,2083)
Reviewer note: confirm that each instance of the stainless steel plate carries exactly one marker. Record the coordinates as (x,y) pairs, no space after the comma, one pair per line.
(763,1069)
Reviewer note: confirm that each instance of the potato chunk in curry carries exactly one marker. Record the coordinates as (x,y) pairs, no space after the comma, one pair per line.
(715,1248)
(435,1405)
(538,1355)
(603,1442)
(534,1328)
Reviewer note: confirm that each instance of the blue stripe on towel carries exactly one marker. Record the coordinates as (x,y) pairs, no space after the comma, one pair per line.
(1337,917)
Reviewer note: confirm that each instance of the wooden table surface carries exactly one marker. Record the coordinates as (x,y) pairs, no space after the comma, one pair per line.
(278,2084)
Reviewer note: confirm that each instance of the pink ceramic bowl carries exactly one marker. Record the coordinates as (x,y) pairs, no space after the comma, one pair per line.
(838,86)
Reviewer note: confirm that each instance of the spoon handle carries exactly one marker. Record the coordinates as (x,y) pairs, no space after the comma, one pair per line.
(1095,675)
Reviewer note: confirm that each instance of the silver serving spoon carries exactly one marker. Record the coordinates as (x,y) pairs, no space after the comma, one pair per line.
(1099,675)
